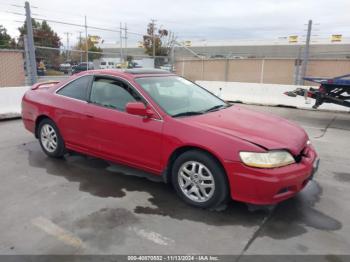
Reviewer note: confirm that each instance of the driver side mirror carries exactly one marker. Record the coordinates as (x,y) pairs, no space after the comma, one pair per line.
(139,109)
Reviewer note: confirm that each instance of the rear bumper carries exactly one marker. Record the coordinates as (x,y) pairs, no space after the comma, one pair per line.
(270,186)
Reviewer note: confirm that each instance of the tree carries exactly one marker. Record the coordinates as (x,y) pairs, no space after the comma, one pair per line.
(162,41)
(43,36)
(6,42)
(81,45)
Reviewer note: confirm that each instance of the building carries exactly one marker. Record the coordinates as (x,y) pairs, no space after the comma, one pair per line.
(246,49)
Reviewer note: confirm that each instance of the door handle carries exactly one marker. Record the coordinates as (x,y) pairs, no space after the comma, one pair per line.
(89,116)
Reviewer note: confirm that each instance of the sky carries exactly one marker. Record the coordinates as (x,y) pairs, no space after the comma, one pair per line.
(201,20)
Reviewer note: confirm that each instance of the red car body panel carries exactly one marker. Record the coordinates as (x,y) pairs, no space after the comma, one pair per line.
(148,143)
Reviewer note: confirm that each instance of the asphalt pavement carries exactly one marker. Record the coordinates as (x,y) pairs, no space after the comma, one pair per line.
(83,205)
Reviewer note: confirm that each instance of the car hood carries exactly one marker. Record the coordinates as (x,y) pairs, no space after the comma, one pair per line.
(268,131)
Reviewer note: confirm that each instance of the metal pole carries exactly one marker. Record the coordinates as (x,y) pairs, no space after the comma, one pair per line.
(202,75)
(306,53)
(172,57)
(262,71)
(67,47)
(227,64)
(30,43)
(153,38)
(121,42)
(80,47)
(183,68)
(26,56)
(126,40)
(86,46)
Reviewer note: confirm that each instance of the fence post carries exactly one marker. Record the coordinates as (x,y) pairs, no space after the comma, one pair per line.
(27,60)
(262,71)
(202,73)
(183,68)
(86,45)
(30,47)
(226,69)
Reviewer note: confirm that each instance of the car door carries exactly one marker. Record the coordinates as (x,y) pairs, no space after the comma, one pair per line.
(127,138)
(71,103)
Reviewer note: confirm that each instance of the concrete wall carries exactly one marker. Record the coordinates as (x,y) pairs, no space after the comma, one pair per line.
(328,68)
(264,94)
(11,68)
(269,71)
(10,101)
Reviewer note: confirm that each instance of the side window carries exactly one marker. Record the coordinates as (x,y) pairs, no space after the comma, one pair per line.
(76,89)
(112,93)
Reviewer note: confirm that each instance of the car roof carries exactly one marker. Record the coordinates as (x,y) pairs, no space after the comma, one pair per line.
(129,73)
(143,71)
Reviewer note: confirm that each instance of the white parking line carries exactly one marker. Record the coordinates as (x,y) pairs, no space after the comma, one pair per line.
(54,230)
(153,236)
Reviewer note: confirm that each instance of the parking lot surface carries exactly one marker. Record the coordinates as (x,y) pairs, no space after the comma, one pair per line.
(83,205)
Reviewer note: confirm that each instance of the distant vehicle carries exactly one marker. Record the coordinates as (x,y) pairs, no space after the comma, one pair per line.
(133,65)
(161,123)
(167,67)
(217,56)
(82,67)
(107,65)
(65,67)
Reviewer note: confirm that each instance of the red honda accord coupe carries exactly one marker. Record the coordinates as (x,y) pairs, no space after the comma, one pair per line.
(166,125)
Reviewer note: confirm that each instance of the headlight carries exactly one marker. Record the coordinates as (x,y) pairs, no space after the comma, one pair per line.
(270,159)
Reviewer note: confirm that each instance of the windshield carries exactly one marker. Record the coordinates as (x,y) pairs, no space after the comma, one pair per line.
(180,97)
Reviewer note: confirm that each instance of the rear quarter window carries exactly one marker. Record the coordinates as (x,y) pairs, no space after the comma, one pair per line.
(76,89)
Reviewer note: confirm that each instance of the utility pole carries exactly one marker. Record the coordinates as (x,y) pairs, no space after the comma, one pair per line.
(86,46)
(126,40)
(26,56)
(153,38)
(306,53)
(67,46)
(121,42)
(172,50)
(80,47)
(30,44)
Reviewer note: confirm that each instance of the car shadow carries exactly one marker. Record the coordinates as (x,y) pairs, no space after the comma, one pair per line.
(102,179)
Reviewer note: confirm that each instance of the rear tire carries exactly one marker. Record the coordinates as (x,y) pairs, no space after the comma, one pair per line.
(50,139)
(199,180)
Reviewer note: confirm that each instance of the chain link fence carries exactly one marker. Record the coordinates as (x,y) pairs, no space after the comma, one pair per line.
(45,55)
(56,64)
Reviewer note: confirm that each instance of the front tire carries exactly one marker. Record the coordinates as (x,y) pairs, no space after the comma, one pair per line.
(50,139)
(199,179)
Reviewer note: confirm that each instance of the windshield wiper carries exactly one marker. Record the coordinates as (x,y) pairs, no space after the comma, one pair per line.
(188,113)
(215,108)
